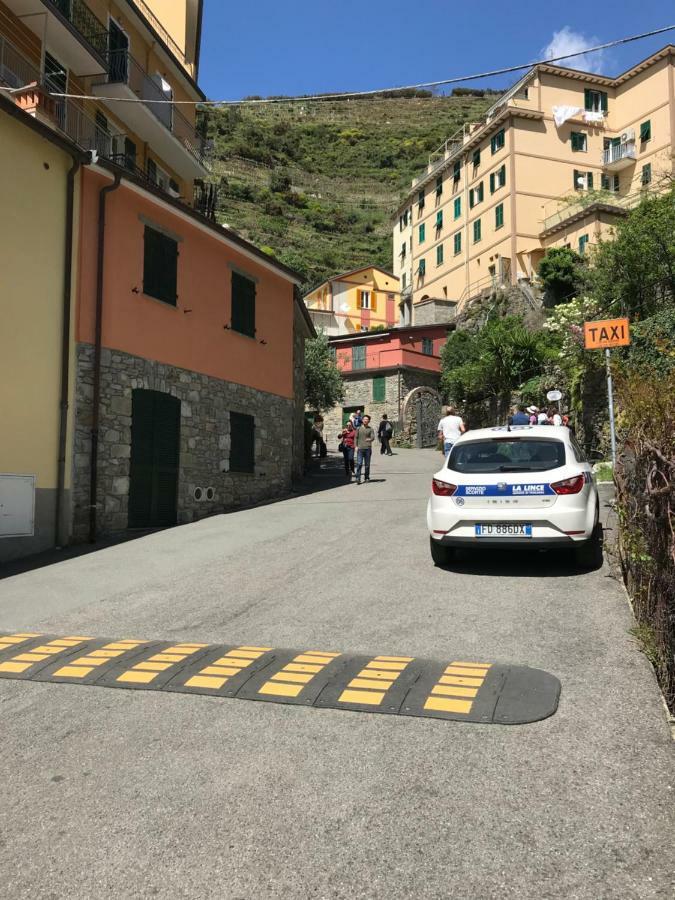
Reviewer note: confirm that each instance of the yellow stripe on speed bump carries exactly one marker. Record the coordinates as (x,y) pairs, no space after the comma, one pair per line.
(283,683)
(82,666)
(452,689)
(16,666)
(374,680)
(219,671)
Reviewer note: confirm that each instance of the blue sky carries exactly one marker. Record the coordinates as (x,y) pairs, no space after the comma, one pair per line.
(270,47)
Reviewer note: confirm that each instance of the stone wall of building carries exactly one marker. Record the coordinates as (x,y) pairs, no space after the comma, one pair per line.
(204,439)
(359,392)
(434,312)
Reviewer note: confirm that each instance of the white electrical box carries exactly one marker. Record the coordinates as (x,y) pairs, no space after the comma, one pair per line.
(17,505)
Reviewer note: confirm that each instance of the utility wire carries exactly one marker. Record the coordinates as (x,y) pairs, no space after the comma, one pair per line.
(371,93)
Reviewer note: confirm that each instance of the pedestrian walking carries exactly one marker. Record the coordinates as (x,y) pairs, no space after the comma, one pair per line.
(365,435)
(358,419)
(317,437)
(519,416)
(384,433)
(346,447)
(449,429)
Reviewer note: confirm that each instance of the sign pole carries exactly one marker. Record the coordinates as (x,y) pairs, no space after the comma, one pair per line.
(610,397)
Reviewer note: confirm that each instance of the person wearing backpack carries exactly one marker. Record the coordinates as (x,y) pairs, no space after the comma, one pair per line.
(384,433)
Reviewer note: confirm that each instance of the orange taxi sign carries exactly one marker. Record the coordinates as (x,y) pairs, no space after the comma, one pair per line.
(606,333)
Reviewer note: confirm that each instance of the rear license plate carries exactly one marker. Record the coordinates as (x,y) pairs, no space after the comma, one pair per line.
(498,530)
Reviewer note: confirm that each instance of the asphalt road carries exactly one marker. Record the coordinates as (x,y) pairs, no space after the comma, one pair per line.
(112,793)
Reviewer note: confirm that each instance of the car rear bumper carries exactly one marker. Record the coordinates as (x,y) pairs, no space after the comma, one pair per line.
(448,540)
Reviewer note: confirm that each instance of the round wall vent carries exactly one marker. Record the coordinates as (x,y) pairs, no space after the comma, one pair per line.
(198,493)
(210,493)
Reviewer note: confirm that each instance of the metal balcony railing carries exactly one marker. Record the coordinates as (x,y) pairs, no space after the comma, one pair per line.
(206,199)
(616,152)
(157,26)
(83,20)
(123,69)
(15,69)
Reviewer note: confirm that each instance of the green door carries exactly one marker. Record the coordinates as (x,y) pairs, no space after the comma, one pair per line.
(155,445)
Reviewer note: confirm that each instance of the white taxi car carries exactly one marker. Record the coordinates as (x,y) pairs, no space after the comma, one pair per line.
(523,485)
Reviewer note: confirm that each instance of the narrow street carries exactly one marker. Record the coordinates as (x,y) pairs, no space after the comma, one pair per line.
(137,793)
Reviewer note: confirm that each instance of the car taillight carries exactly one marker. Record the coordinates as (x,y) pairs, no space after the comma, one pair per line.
(569,485)
(442,488)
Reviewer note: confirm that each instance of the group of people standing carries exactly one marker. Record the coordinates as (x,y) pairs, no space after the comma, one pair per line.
(532,415)
(357,439)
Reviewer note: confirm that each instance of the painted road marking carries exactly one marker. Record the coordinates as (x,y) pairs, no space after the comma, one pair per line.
(460,690)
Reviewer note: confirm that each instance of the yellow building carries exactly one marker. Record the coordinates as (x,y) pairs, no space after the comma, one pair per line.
(355,301)
(554,162)
(147,49)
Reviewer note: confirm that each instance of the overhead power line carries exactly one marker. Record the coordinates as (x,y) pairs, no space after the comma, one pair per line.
(346,95)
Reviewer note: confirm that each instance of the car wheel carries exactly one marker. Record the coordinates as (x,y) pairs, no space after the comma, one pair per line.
(589,554)
(442,556)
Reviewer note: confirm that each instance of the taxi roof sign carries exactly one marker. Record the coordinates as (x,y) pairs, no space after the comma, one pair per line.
(606,333)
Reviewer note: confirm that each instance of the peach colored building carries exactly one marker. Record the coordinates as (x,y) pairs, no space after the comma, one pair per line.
(167,374)
(355,301)
(555,161)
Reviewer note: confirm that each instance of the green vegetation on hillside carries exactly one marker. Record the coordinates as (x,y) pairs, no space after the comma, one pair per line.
(316,184)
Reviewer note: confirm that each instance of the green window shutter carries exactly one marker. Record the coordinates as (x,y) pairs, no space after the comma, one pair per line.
(379,389)
(616,184)
(439,255)
(420,199)
(492,182)
(423,267)
(604,182)
(589,181)
(439,185)
(458,242)
(439,219)
(647,173)
(603,101)
(458,207)
(422,232)
(160,266)
(576,177)
(476,231)
(242,443)
(476,158)
(578,141)
(502,176)
(588,100)
(151,168)
(499,215)
(456,170)
(646,131)
(243,304)
(359,356)
(480,192)
(428,346)
(583,240)
(471,199)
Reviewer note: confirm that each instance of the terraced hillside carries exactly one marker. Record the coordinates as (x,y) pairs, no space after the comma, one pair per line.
(316,183)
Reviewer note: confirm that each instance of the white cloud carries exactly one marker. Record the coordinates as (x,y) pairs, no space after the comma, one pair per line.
(566,41)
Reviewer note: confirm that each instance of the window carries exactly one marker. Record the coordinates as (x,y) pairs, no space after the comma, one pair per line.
(243,304)
(439,185)
(610,183)
(476,158)
(497,141)
(403,249)
(242,443)
(359,357)
(457,243)
(521,454)
(400,223)
(364,299)
(595,101)
(428,346)
(379,389)
(476,195)
(499,215)
(583,181)
(420,200)
(497,179)
(332,352)
(476,231)
(422,268)
(647,173)
(404,280)
(422,233)
(151,168)
(646,131)
(579,143)
(456,170)
(458,207)
(160,266)
(439,220)
(583,240)
(439,255)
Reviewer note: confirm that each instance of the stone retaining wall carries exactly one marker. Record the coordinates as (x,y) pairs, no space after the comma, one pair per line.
(204,439)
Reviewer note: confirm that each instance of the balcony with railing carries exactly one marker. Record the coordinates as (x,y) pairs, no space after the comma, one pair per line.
(619,156)
(71,31)
(145,11)
(146,106)
(590,202)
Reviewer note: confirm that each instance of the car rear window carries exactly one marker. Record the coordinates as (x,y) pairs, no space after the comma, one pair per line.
(507,455)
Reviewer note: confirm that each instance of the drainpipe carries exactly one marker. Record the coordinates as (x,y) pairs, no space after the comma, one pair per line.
(96,400)
(65,353)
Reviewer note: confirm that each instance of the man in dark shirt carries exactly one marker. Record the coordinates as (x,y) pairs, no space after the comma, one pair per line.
(384,433)
(365,435)
(519,417)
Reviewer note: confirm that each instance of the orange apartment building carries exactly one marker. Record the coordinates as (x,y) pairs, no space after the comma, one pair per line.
(178,346)
(555,162)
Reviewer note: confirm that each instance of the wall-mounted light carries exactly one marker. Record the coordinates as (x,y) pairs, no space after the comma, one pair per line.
(264,342)
(135,290)
(186,311)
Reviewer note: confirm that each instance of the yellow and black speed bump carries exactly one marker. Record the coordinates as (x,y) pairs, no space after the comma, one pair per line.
(469,691)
